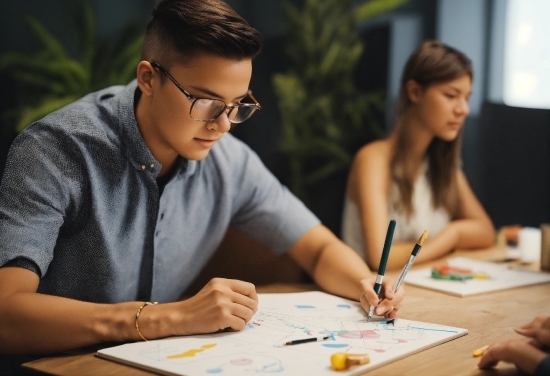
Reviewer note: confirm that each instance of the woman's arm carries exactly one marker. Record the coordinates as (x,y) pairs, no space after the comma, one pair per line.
(475,227)
(369,186)
(472,229)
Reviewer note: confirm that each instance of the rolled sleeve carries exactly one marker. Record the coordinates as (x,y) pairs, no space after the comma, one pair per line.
(269,212)
(33,199)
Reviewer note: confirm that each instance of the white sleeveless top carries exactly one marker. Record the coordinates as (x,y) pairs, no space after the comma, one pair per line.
(424,217)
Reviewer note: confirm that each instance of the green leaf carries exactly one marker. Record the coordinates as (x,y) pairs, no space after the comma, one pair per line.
(30,115)
(39,81)
(373,8)
(325,117)
(88,36)
(49,42)
(48,78)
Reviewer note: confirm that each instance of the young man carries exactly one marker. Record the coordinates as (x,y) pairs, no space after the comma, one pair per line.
(120,198)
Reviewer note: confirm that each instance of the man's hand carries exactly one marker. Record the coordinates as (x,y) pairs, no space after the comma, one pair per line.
(389,302)
(221,304)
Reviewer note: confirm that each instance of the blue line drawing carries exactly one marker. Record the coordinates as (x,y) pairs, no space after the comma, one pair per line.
(433,329)
(335,345)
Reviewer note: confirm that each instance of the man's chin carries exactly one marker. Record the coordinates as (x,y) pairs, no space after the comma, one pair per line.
(199,156)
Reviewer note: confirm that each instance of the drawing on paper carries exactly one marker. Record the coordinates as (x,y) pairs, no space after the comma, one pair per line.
(259,347)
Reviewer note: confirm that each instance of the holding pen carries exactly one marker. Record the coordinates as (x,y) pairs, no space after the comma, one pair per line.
(409,263)
(383,262)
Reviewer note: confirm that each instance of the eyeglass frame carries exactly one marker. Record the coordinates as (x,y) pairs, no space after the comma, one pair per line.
(193,99)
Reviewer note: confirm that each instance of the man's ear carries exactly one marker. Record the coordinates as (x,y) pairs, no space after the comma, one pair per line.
(145,73)
(414,91)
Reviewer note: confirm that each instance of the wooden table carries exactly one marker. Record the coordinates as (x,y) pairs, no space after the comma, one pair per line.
(489,318)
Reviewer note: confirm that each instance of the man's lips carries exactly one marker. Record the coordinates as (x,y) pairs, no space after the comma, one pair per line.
(205,141)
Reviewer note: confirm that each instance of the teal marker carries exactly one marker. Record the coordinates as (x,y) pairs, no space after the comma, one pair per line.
(383,262)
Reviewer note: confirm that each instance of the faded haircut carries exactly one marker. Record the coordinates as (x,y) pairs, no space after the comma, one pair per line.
(182,29)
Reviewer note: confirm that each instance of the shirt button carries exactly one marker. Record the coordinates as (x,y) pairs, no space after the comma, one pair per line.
(143,167)
(160,264)
(161,215)
(152,165)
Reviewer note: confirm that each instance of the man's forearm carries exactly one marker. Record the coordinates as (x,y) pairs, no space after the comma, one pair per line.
(339,270)
(33,323)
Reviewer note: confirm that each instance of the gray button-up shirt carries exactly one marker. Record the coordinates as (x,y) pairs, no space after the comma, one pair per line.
(79,200)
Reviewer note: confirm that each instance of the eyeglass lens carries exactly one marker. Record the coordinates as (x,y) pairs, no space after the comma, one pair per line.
(209,109)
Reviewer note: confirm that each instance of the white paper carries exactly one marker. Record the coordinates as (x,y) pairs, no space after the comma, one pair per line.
(501,277)
(258,348)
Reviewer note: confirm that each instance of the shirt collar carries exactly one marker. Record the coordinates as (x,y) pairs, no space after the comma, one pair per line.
(134,145)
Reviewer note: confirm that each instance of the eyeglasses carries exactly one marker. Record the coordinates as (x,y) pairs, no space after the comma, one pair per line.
(208,109)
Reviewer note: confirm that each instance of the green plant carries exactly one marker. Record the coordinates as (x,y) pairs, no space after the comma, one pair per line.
(325,117)
(51,78)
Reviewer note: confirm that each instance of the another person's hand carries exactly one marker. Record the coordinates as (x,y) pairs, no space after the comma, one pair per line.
(519,351)
(389,302)
(222,304)
(538,330)
(527,352)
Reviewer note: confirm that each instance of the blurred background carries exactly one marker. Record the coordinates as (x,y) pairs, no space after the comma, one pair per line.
(327,80)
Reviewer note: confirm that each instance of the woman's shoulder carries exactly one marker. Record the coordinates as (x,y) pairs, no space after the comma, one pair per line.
(377,152)
(372,161)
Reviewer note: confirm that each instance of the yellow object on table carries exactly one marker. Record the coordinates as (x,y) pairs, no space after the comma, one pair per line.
(480,351)
(341,361)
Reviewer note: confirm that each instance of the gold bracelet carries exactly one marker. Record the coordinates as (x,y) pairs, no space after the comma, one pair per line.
(137,317)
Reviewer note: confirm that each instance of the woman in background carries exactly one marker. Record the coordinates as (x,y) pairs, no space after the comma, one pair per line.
(414,175)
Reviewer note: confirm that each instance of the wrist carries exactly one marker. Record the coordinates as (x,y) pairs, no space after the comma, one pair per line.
(116,322)
(138,314)
(455,232)
(524,355)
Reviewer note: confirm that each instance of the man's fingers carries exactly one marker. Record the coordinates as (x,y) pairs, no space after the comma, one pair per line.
(367,285)
(388,293)
(242,287)
(244,301)
(243,306)
(383,309)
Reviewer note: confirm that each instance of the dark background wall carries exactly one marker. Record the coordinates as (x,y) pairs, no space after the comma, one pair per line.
(506,149)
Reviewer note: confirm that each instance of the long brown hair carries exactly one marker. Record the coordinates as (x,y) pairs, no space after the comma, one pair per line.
(432,62)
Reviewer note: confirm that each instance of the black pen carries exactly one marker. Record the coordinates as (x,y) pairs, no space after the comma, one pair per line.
(383,262)
(311,339)
(409,263)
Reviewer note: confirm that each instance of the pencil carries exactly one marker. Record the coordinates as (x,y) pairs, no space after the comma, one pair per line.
(383,262)
(311,339)
(409,263)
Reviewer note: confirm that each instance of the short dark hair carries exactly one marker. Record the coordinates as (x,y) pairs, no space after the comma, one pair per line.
(182,29)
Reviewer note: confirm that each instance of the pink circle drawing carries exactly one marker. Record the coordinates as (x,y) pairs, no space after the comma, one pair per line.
(358,334)
(241,362)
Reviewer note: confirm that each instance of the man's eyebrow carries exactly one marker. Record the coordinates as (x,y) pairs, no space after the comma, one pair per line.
(213,94)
